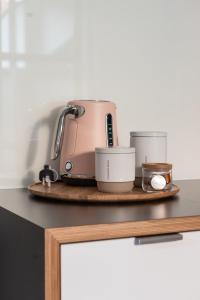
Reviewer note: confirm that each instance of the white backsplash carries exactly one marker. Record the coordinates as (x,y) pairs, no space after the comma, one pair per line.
(144,55)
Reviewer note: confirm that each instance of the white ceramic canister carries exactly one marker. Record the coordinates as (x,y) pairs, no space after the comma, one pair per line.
(151,147)
(115,169)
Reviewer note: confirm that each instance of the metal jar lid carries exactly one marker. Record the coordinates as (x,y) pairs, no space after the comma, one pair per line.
(157,166)
(148,134)
(115,150)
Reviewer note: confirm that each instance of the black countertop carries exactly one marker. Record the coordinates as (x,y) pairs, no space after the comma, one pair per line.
(48,213)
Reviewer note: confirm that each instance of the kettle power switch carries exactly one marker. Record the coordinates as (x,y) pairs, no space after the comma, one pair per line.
(68,166)
(109,130)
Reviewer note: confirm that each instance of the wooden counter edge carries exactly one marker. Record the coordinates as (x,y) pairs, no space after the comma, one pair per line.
(55,237)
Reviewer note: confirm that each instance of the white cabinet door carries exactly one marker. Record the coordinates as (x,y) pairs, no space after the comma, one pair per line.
(120,270)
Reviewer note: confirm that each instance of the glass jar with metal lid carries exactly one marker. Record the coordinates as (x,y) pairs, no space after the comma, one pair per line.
(156,177)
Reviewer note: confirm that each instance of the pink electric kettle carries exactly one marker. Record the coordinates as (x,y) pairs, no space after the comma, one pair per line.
(83,125)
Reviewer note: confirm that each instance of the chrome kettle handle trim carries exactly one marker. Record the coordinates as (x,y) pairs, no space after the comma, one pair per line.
(75,110)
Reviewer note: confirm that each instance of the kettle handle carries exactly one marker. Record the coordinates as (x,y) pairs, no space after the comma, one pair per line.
(75,110)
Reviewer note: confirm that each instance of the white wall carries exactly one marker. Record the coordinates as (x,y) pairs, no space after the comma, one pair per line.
(144,55)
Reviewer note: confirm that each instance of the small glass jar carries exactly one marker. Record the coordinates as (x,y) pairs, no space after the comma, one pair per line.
(156,177)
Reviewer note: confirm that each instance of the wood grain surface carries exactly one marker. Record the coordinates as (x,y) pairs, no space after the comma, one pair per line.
(52,267)
(60,190)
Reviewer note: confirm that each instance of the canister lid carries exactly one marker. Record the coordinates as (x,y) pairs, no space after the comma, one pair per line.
(157,166)
(148,134)
(115,150)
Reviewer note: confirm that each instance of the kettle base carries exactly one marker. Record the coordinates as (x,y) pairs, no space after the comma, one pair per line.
(79,181)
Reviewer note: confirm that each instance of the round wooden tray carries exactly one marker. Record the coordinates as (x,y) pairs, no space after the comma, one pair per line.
(60,190)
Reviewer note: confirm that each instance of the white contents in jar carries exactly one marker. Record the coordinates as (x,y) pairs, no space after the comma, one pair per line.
(158,182)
